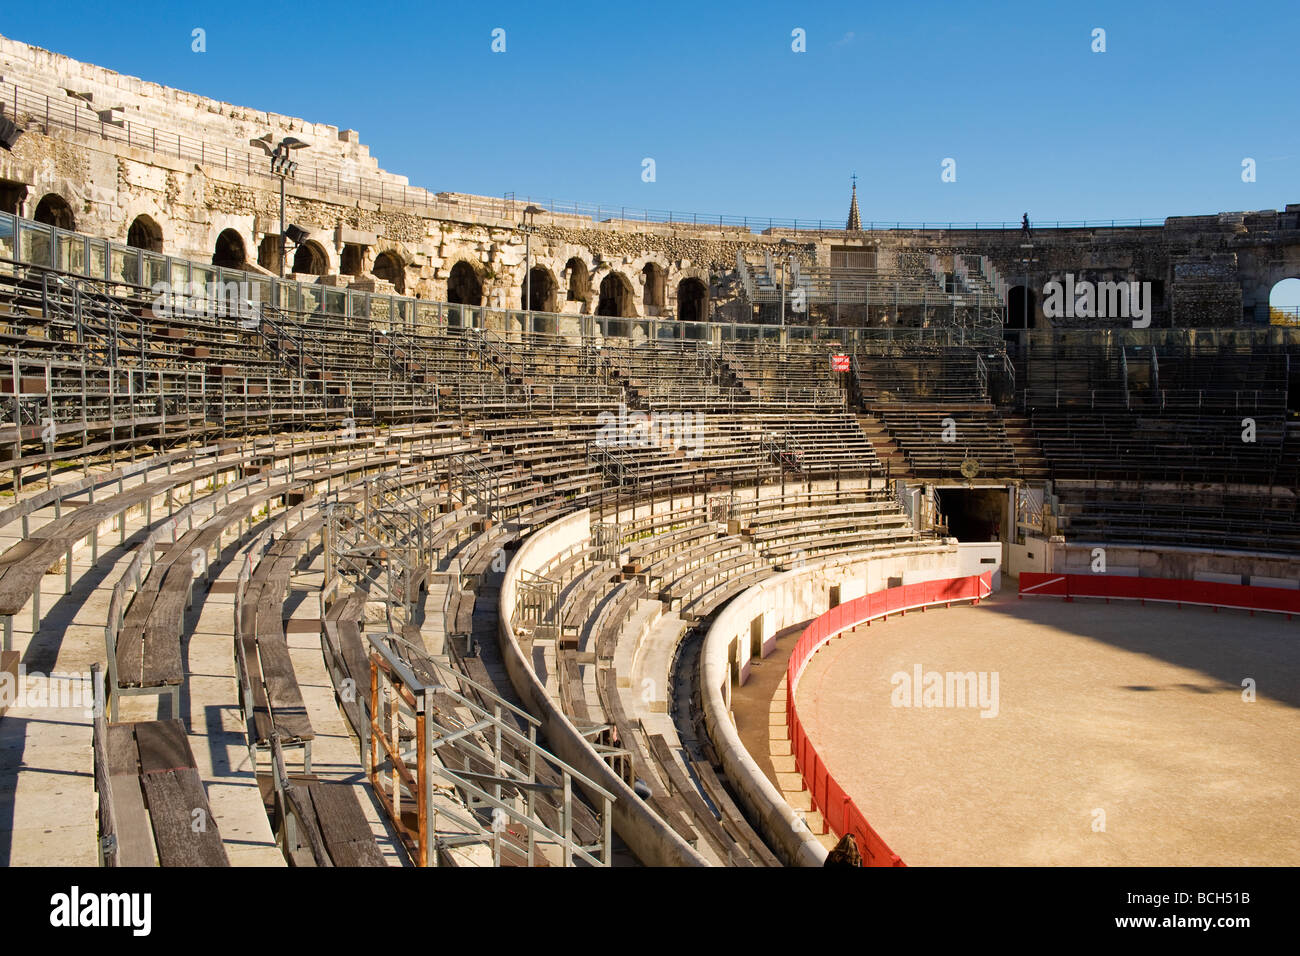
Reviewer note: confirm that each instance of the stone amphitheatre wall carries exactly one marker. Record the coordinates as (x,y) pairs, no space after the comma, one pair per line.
(116,148)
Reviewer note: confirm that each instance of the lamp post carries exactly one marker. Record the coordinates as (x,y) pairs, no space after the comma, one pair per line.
(283,168)
(1029,261)
(528,229)
(785,268)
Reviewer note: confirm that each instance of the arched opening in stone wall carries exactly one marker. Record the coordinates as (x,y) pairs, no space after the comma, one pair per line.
(53,210)
(543,288)
(579,280)
(388,266)
(352,261)
(692,300)
(145,234)
(464,287)
(310,259)
(1021,305)
(12,196)
(652,296)
(615,296)
(230,252)
(1284,302)
(268,253)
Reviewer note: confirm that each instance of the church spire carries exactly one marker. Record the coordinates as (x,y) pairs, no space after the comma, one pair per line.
(855,221)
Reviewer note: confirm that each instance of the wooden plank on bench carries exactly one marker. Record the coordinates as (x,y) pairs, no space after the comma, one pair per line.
(163,746)
(732,817)
(690,796)
(347,833)
(184,831)
(162,644)
(300,805)
(174,797)
(288,711)
(135,846)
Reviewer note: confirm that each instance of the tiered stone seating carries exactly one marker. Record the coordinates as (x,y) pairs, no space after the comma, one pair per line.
(1175,446)
(1254,519)
(936,440)
(675,568)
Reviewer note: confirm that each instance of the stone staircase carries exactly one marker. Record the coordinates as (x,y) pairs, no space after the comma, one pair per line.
(1029,453)
(890,455)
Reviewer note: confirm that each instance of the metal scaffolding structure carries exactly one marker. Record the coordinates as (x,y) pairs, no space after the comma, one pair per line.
(429,732)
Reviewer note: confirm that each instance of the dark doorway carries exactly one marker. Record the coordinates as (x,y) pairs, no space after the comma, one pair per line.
(352,262)
(389,268)
(579,280)
(268,253)
(1021,307)
(310,259)
(12,195)
(974,514)
(692,301)
(653,295)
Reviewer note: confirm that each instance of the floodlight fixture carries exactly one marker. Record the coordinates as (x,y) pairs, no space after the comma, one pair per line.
(9,131)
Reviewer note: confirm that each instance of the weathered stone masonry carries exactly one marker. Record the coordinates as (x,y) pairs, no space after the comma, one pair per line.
(1205,270)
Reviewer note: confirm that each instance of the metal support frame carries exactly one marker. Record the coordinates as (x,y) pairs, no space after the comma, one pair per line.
(501,802)
(479,487)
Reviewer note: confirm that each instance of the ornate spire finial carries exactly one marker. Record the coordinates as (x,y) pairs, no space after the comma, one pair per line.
(855,221)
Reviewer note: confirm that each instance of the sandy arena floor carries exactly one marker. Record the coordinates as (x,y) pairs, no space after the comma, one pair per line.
(1119,716)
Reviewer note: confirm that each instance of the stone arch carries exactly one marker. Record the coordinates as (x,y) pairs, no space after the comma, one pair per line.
(1284,300)
(544,287)
(230,251)
(145,233)
(464,284)
(53,210)
(12,196)
(389,266)
(311,259)
(616,296)
(654,286)
(579,280)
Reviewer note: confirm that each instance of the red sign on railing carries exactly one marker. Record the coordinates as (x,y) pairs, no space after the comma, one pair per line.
(839,363)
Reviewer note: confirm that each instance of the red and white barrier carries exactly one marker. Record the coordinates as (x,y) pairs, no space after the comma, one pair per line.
(840,812)
(1161,590)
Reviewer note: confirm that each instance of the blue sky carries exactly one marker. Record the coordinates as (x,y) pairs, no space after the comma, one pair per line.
(737,122)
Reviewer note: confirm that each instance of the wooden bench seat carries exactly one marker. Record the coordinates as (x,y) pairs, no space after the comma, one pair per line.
(152,804)
(321,824)
(670,807)
(680,784)
(276,706)
(23,564)
(722,592)
(732,817)
(614,615)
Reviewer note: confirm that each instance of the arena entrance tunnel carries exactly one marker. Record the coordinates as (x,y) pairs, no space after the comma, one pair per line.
(974,514)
